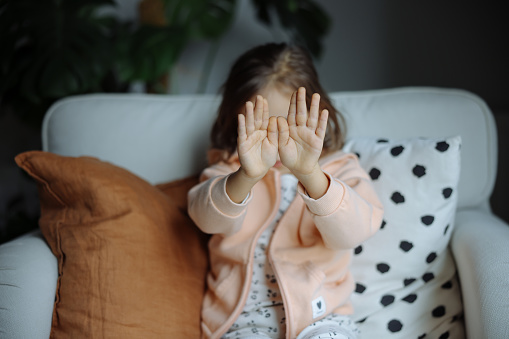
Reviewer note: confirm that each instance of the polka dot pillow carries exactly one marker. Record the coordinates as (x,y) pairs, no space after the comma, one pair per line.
(406,281)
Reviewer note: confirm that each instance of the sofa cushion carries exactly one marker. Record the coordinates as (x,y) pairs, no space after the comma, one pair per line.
(407,284)
(131,263)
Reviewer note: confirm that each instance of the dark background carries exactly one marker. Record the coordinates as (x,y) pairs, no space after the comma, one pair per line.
(372,44)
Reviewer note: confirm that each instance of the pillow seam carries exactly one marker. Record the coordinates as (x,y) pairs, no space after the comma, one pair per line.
(28,166)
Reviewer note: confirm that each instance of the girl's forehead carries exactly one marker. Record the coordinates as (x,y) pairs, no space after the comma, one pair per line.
(278,98)
(276,92)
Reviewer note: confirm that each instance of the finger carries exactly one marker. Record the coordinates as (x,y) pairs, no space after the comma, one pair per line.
(284,131)
(265,118)
(241,128)
(272,131)
(258,112)
(302,112)
(249,118)
(292,109)
(322,124)
(313,111)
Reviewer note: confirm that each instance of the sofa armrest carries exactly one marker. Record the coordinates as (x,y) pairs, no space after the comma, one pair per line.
(28,279)
(480,244)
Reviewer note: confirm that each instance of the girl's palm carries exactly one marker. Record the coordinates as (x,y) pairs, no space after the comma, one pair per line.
(257,139)
(301,136)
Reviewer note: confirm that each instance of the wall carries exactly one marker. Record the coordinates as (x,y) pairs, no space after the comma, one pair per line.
(353,55)
(379,44)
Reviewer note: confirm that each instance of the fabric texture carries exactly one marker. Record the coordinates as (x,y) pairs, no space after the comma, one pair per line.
(131,263)
(406,278)
(333,326)
(309,253)
(28,278)
(264,308)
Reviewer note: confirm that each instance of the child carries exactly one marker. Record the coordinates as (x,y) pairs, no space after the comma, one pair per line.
(285,206)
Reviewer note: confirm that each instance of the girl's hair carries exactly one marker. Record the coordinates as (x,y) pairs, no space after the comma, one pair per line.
(271,64)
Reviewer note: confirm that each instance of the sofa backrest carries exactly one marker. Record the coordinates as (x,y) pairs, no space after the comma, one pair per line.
(165,137)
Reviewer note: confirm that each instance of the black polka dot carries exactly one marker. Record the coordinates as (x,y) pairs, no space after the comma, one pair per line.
(382,140)
(447,285)
(408,281)
(405,245)
(398,198)
(438,311)
(387,300)
(358,155)
(361,320)
(374,173)
(383,224)
(410,298)
(446,192)
(419,171)
(444,335)
(428,276)
(359,288)
(358,249)
(383,268)
(431,257)
(422,336)
(427,219)
(395,151)
(394,325)
(442,146)
(445,230)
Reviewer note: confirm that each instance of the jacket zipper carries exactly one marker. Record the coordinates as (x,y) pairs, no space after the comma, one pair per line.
(249,270)
(274,268)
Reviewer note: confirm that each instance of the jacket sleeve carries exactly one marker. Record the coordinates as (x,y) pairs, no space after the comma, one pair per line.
(210,207)
(350,211)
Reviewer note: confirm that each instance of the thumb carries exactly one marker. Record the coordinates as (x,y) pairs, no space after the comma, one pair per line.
(284,131)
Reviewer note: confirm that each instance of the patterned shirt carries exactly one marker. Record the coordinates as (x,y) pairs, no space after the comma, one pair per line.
(264,306)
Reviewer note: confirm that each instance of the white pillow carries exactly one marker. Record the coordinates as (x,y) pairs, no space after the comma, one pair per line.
(407,285)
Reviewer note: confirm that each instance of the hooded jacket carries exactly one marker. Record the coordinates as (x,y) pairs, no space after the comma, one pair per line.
(310,250)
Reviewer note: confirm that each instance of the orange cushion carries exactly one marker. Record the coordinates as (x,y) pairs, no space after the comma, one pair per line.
(131,263)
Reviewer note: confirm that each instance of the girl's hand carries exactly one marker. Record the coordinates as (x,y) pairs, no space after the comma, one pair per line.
(301,136)
(257,143)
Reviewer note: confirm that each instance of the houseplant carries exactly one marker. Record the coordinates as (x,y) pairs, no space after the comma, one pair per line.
(55,48)
(51,49)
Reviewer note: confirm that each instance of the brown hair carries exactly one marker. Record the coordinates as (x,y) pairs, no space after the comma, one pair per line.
(273,63)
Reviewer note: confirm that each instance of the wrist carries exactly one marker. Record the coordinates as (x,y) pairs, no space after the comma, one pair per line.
(316,183)
(249,179)
(239,184)
(304,177)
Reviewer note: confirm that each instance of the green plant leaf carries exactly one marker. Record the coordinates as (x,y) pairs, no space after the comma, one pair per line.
(305,21)
(215,19)
(55,48)
(202,19)
(150,52)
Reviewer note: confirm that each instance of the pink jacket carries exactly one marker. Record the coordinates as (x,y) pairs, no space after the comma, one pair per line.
(310,250)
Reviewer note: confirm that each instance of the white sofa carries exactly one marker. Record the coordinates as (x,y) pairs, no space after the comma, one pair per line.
(162,138)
